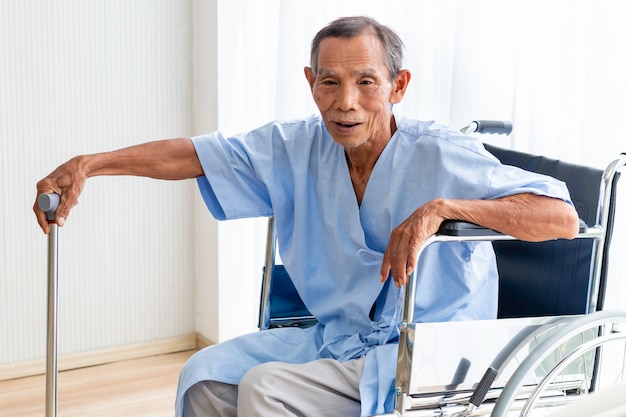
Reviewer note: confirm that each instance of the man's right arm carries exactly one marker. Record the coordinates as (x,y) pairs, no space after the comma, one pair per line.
(173,159)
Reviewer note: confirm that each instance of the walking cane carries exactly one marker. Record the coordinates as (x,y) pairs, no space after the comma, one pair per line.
(49,203)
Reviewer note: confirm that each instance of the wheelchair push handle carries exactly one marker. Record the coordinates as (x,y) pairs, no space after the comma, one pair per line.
(49,203)
(498,127)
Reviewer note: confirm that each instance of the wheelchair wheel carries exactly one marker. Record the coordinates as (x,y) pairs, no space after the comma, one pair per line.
(584,355)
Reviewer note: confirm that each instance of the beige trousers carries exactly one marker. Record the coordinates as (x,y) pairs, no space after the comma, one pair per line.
(320,388)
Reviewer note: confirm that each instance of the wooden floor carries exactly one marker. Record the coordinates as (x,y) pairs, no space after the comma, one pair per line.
(134,388)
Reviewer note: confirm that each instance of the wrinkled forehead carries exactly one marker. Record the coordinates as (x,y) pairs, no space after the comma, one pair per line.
(361,54)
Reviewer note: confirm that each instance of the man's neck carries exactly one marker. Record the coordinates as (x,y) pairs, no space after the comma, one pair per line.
(362,159)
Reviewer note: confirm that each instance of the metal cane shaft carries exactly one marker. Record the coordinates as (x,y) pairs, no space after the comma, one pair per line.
(49,204)
(52,323)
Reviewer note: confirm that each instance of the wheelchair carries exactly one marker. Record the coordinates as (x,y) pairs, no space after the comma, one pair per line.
(552,343)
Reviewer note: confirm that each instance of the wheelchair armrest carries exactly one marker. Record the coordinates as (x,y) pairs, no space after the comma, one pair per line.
(467,229)
(464,229)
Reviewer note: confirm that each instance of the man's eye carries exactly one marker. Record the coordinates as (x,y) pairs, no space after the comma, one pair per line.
(366,82)
(329,82)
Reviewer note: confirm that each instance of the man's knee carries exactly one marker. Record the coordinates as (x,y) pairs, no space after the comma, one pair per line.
(265,390)
(320,388)
(259,380)
(210,398)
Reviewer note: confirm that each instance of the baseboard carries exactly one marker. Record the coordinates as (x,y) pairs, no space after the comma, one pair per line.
(102,356)
(202,342)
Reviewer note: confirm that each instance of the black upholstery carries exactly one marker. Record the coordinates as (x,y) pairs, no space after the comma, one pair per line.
(548,278)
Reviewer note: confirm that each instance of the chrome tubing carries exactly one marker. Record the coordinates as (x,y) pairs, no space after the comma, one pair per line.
(49,203)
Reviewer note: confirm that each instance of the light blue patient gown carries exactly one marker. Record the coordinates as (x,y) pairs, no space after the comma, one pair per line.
(333,248)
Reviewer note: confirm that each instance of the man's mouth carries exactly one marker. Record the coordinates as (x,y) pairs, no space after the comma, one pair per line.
(346,124)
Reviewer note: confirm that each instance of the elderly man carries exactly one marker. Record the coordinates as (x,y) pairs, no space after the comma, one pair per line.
(354,194)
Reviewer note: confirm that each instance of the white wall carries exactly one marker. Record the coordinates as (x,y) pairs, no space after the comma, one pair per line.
(140,260)
(229,254)
(80,77)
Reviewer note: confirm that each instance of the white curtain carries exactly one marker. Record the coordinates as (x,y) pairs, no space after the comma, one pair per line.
(556,69)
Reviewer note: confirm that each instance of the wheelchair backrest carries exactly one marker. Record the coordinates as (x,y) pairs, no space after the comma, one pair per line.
(553,277)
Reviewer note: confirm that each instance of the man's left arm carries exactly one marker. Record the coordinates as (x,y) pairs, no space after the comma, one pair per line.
(525,216)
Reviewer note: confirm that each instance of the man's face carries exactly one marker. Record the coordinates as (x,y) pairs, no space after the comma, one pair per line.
(353,91)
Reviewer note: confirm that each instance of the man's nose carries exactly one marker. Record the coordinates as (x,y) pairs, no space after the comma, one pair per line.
(347,98)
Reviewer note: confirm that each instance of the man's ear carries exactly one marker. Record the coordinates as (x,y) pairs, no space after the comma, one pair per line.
(400,85)
(310,77)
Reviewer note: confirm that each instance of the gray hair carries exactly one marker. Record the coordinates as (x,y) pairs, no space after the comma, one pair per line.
(349,27)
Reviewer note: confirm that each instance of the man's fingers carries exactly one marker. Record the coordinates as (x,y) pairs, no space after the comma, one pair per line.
(400,258)
(397,253)
(67,180)
(41,218)
(68,201)
(406,240)
(385,268)
(62,212)
(398,274)
(411,258)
